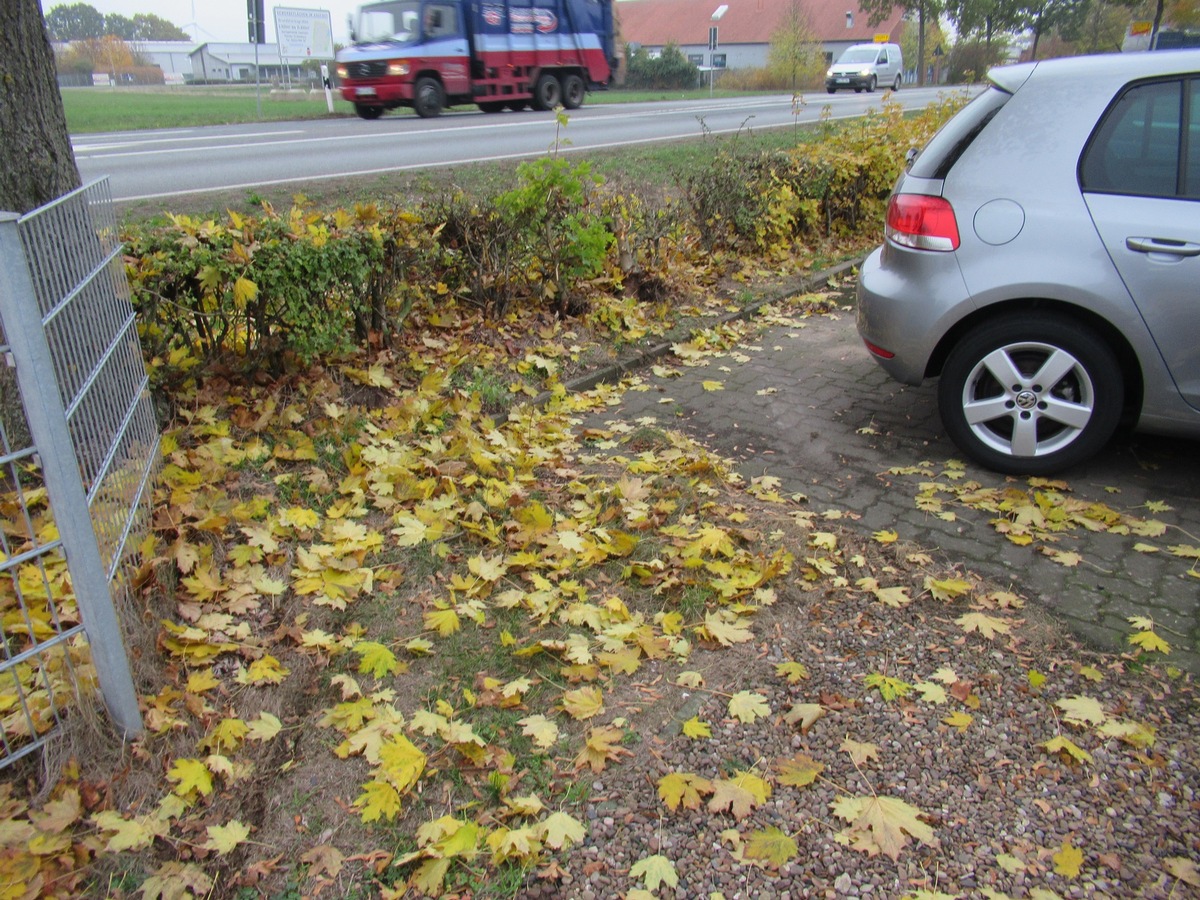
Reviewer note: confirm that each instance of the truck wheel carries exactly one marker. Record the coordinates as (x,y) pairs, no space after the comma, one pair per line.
(492,106)
(427,98)
(368,112)
(547,93)
(518,105)
(573,91)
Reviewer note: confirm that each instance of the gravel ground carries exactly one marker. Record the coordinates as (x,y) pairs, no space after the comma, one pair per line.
(1005,815)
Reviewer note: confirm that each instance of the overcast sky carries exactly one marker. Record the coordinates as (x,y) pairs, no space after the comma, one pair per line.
(215,20)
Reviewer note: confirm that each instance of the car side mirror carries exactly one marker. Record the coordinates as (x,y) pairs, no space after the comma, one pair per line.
(910,157)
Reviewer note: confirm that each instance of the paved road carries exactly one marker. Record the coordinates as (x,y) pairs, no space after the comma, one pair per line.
(835,424)
(144,165)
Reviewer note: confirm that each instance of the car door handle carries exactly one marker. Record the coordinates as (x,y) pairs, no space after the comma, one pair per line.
(1162,245)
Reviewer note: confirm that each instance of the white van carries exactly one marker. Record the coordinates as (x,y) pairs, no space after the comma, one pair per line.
(866,66)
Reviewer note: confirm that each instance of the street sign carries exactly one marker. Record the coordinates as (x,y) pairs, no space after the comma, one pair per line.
(304,33)
(712,37)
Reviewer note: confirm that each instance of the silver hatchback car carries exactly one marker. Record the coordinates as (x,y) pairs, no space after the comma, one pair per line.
(1042,257)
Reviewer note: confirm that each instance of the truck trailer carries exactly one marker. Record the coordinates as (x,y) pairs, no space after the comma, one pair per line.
(497,54)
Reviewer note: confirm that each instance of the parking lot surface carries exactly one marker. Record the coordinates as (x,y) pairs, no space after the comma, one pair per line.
(1111,540)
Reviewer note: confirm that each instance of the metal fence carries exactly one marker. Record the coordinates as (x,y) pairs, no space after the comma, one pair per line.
(78,451)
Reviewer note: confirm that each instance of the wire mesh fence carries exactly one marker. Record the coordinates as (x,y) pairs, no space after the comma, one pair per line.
(79,446)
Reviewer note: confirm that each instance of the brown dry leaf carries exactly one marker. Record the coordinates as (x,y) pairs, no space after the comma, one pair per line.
(860,753)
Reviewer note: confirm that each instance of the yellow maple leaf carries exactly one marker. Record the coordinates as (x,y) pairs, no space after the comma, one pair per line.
(1150,642)
(772,846)
(378,800)
(725,629)
(804,715)
(583,703)
(748,706)
(444,621)
(882,824)
(683,789)
(129,834)
(376,659)
(710,385)
(543,731)
(696,729)
(1082,710)
(191,775)
(1064,746)
(401,762)
(265,727)
(1068,860)
(886,537)
(794,672)
(264,670)
(224,838)
(988,626)
(959,720)
(560,830)
(655,871)
(947,588)
(602,745)
(800,770)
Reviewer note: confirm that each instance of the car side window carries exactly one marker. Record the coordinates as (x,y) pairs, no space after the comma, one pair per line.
(882,57)
(1136,149)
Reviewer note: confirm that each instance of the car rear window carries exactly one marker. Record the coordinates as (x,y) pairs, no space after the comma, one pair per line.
(943,151)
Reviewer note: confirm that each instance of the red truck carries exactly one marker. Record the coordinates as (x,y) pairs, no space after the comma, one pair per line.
(497,54)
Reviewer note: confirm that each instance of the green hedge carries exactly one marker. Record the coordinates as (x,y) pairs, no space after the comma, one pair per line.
(260,292)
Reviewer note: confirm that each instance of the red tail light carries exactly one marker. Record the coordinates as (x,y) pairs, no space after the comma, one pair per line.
(922,222)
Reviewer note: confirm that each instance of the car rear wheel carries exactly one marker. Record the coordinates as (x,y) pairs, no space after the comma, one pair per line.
(896,84)
(1031,394)
(427,98)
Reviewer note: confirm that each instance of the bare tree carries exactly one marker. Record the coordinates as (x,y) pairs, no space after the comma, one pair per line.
(39,164)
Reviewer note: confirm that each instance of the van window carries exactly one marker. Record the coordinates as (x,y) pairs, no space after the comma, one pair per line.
(883,58)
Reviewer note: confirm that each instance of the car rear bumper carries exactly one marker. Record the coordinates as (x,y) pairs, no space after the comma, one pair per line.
(907,300)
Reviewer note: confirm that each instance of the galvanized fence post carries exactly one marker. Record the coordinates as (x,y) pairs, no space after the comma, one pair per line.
(48,426)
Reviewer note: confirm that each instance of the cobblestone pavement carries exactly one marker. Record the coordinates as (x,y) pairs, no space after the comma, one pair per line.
(808,406)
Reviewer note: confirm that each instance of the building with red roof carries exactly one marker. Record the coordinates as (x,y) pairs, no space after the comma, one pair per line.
(744,27)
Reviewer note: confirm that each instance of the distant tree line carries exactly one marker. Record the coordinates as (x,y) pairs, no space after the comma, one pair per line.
(81,22)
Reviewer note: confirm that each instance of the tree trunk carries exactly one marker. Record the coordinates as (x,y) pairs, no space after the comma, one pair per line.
(39,165)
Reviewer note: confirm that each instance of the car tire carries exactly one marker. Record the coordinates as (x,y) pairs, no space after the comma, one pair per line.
(573,92)
(427,98)
(831,90)
(547,93)
(368,112)
(1001,414)
(871,85)
(896,84)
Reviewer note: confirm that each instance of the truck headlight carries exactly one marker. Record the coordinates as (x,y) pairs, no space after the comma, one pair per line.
(343,73)
(397,67)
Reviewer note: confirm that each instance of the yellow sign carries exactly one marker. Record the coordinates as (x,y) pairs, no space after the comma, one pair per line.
(882,38)
(1140,27)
